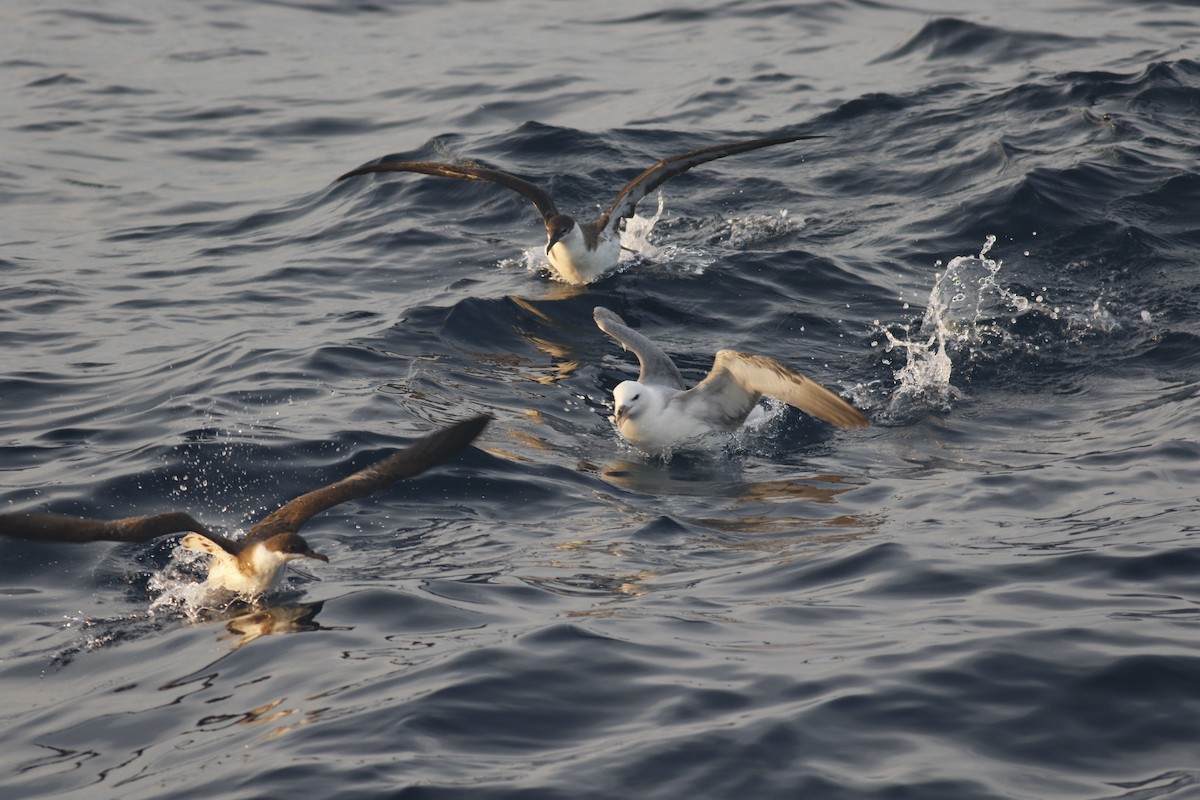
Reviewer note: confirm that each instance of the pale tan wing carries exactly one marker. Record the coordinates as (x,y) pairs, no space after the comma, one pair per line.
(412,461)
(464,172)
(663,171)
(737,380)
(657,367)
(64,528)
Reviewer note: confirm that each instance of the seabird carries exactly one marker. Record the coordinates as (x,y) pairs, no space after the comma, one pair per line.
(657,411)
(253,565)
(581,252)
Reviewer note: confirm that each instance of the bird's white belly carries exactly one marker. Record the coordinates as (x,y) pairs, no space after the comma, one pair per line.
(225,573)
(663,432)
(576,264)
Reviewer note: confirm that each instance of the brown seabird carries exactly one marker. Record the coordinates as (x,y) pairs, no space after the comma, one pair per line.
(253,565)
(581,252)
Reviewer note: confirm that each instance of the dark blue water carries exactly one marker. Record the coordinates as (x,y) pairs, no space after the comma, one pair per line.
(990,593)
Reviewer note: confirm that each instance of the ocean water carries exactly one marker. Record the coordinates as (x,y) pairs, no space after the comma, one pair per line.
(990,593)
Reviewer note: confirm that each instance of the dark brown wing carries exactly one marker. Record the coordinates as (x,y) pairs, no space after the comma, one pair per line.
(63,528)
(535,194)
(663,171)
(413,460)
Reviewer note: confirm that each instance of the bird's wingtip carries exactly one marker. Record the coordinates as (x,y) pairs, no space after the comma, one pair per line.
(602,315)
(859,420)
(352,173)
(477,423)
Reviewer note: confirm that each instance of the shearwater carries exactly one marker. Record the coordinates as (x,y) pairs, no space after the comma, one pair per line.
(581,252)
(253,565)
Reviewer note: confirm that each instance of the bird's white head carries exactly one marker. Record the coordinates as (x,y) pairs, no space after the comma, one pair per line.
(646,419)
(632,401)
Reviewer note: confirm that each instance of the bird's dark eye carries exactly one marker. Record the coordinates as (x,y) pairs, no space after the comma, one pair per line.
(635,397)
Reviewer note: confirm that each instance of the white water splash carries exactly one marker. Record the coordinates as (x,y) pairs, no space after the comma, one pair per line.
(762,426)
(635,238)
(180,586)
(636,235)
(965,300)
(753,229)
(531,260)
(971,319)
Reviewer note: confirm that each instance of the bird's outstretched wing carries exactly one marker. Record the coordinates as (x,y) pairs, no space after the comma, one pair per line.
(737,380)
(463,172)
(64,528)
(413,460)
(657,367)
(663,171)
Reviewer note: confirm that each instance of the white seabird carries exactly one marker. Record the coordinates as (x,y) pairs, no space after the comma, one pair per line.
(253,565)
(581,252)
(658,412)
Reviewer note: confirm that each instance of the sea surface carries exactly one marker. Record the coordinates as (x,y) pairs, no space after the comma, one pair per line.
(992,592)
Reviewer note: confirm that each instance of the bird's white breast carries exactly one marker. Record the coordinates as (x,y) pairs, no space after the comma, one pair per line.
(575,263)
(257,575)
(663,432)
